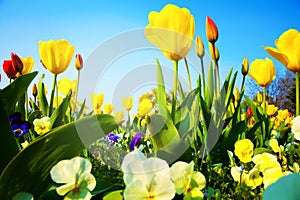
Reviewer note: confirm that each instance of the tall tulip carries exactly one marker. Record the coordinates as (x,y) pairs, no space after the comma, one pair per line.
(288,53)
(16,62)
(172,31)
(263,72)
(9,69)
(55,57)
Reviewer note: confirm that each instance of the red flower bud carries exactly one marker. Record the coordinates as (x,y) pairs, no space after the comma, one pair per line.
(211,30)
(78,62)
(16,62)
(9,69)
(34,90)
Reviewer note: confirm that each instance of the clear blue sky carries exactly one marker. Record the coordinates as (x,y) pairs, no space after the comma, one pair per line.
(244,26)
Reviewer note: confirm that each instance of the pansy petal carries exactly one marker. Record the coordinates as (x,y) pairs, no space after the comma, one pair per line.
(63,172)
(64,189)
(84,194)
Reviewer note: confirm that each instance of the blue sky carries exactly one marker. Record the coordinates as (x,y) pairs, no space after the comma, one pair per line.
(244,27)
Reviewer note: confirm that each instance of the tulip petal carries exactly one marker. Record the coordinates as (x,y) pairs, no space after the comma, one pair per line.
(64,86)
(277,55)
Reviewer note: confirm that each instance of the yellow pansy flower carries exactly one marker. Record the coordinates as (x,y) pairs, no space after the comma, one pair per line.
(27,65)
(262,71)
(42,125)
(288,50)
(171,30)
(56,55)
(243,149)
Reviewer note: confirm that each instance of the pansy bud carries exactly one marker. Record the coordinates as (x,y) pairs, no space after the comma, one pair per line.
(9,69)
(199,47)
(34,90)
(245,66)
(78,62)
(16,62)
(211,30)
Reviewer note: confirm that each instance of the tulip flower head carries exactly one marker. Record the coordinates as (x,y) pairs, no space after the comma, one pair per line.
(262,71)
(78,62)
(27,65)
(199,47)
(56,55)
(144,108)
(16,62)
(127,103)
(288,50)
(171,30)
(214,52)
(211,30)
(108,108)
(9,69)
(245,66)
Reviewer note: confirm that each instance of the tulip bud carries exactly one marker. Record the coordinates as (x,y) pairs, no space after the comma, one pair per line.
(78,62)
(34,90)
(245,66)
(211,30)
(16,62)
(108,108)
(9,69)
(199,47)
(214,52)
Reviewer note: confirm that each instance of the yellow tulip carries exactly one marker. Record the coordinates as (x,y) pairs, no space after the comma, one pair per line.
(199,47)
(214,52)
(288,50)
(262,71)
(108,108)
(271,109)
(27,65)
(245,66)
(144,108)
(56,55)
(243,149)
(65,85)
(171,30)
(127,103)
(97,100)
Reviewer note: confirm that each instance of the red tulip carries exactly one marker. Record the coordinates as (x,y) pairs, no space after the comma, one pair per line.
(9,69)
(211,30)
(16,62)
(78,62)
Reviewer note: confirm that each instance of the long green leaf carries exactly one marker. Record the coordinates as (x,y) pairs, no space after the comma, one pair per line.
(60,112)
(14,91)
(161,92)
(42,97)
(29,170)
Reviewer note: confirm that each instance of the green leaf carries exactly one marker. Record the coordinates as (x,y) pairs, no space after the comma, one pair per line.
(42,97)
(161,93)
(29,170)
(287,187)
(115,195)
(60,112)
(81,110)
(104,187)
(14,91)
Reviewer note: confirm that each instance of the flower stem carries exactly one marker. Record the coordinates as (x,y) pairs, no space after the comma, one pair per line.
(76,91)
(203,75)
(188,73)
(264,99)
(297,93)
(175,89)
(243,83)
(216,67)
(52,94)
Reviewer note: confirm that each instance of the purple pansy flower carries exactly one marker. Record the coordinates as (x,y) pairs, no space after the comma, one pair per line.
(19,126)
(136,139)
(112,139)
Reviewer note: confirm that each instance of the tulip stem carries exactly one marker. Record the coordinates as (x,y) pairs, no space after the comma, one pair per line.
(216,67)
(175,89)
(188,73)
(203,75)
(52,94)
(264,99)
(297,93)
(243,83)
(76,91)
